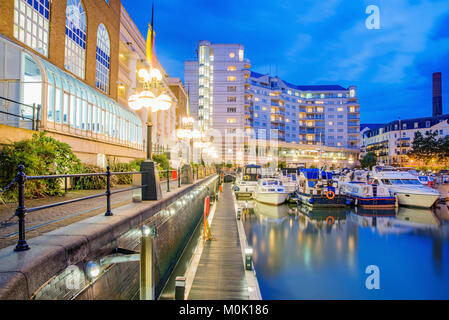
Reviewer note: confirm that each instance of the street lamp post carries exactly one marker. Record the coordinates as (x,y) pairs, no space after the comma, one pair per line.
(153,98)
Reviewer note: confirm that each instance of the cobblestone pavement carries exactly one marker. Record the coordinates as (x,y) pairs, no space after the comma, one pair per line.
(39,222)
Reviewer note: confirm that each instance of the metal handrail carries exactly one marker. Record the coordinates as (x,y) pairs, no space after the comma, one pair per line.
(21,210)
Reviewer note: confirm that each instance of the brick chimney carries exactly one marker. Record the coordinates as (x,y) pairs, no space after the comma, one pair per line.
(437,99)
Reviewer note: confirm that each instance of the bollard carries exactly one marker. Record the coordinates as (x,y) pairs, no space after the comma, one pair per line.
(239,213)
(168,180)
(21,211)
(180,288)
(179,177)
(221,188)
(249,259)
(108,192)
(146,263)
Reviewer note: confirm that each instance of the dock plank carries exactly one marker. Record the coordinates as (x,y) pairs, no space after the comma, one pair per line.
(220,274)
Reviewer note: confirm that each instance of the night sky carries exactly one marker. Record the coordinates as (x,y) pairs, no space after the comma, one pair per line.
(318,42)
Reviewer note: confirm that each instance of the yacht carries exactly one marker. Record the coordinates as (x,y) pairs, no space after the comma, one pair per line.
(270,191)
(406,187)
(246,184)
(289,179)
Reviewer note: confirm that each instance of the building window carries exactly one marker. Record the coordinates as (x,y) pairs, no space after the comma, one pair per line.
(103,59)
(241,55)
(31,23)
(232,68)
(232,110)
(232,78)
(231,120)
(231,55)
(232,89)
(232,99)
(75,38)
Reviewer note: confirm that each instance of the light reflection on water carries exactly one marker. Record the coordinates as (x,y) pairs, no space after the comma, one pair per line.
(297,255)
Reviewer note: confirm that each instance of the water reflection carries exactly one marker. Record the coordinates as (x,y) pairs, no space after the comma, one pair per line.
(299,255)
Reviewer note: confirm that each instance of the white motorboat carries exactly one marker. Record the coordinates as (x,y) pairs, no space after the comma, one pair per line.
(406,187)
(247,183)
(270,191)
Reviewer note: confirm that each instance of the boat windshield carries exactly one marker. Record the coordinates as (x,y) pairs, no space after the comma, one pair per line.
(405,181)
(252,171)
(410,181)
(272,183)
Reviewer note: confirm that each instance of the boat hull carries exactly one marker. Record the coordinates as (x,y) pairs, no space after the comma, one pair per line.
(273,198)
(373,203)
(416,200)
(322,201)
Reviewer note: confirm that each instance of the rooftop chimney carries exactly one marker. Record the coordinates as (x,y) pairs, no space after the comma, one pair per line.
(437,99)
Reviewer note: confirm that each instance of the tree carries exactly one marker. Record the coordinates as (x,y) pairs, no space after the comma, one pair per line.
(426,148)
(369,160)
(282,165)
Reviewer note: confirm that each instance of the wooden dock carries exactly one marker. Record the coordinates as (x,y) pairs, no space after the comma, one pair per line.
(221,274)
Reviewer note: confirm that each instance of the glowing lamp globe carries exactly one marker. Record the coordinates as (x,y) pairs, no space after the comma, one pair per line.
(164,102)
(134,102)
(155,74)
(143,73)
(147,100)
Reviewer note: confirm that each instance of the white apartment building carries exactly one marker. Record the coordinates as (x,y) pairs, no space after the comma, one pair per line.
(226,96)
(392,141)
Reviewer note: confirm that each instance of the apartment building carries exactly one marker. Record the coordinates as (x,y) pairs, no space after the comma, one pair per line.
(392,141)
(248,107)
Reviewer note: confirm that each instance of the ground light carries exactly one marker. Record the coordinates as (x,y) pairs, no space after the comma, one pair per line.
(92,270)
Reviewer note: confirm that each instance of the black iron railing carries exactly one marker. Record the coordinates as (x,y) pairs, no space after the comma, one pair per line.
(21,210)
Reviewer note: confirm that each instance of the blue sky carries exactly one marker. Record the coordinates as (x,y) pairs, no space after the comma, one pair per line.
(318,42)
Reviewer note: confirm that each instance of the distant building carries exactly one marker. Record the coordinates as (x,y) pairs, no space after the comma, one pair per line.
(392,141)
(226,96)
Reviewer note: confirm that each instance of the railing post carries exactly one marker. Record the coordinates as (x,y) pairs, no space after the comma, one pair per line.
(21,211)
(108,192)
(168,180)
(179,177)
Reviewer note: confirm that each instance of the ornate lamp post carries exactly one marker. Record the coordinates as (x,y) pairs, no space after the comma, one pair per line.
(152,97)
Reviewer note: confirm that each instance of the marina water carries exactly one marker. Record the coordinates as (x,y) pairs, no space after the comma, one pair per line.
(298,255)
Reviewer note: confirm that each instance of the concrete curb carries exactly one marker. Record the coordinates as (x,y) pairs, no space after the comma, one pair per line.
(22,273)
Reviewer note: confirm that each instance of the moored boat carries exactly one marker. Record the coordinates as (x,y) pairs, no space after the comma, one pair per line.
(367,195)
(270,191)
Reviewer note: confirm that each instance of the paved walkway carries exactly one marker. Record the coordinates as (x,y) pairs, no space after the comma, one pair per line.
(220,274)
(40,222)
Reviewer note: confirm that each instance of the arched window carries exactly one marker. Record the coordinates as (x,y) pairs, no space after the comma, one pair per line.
(31,23)
(75,38)
(103,59)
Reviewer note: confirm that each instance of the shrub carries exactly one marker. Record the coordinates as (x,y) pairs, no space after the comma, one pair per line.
(123,167)
(91,183)
(41,155)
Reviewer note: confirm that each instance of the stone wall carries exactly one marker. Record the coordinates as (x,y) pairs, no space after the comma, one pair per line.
(54,267)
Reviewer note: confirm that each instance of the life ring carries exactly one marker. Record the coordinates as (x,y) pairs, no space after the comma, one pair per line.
(330,195)
(330,220)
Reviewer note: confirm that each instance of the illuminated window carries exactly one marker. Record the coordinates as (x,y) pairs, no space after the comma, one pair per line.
(351,109)
(319,109)
(339,109)
(232,99)
(75,38)
(232,55)
(240,55)
(331,123)
(31,23)
(310,124)
(232,68)
(232,89)
(232,78)
(264,108)
(256,99)
(231,120)
(256,115)
(103,59)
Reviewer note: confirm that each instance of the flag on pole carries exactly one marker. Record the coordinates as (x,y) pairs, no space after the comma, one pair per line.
(150,38)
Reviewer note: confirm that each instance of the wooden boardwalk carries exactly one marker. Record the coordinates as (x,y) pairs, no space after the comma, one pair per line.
(220,274)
